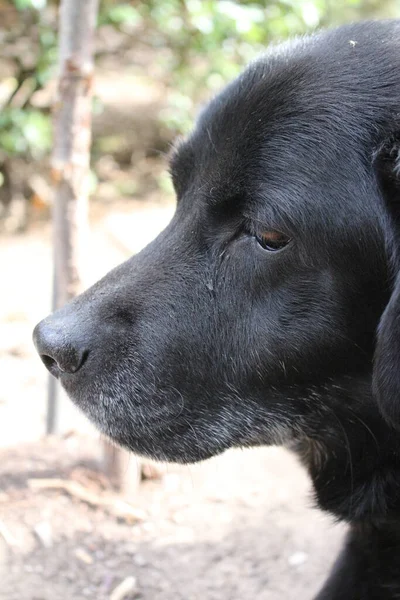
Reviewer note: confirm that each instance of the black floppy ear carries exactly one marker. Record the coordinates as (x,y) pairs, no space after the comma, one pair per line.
(386,371)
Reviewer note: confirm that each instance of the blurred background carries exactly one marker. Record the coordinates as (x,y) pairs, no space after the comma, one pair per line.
(240,526)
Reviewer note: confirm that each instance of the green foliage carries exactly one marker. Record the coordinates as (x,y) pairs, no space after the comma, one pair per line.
(211,40)
(33,4)
(198,45)
(118,14)
(25,132)
(204,43)
(30,43)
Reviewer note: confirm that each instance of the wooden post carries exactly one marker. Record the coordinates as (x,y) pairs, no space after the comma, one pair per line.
(71,156)
(70,172)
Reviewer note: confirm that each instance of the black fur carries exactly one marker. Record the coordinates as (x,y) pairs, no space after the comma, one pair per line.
(206,340)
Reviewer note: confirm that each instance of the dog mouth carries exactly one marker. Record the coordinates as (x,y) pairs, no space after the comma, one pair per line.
(153,401)
(164,423)
(147,428)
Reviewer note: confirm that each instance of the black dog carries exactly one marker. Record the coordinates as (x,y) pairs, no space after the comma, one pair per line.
(252,318)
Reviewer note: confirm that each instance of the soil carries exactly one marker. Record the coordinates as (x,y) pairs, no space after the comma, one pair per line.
(241,526)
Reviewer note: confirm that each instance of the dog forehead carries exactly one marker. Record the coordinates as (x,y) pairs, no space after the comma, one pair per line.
(254,142)
(313,93)
(233,135)
(273,117)
(294,132)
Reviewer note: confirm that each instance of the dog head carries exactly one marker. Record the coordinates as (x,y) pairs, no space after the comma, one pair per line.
(266,289)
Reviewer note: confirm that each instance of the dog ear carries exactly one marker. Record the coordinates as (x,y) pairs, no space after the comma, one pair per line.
(386,371)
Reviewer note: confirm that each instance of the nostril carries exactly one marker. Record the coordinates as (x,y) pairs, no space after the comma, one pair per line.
(49,362)
(62,365)
(68,361)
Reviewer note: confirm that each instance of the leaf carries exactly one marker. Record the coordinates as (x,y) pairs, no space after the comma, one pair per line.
(121,14)
(32,4)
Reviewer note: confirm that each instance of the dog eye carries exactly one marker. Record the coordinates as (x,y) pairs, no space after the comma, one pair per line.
(272,240)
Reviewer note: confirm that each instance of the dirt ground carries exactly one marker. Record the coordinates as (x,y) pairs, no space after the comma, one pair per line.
(241,526)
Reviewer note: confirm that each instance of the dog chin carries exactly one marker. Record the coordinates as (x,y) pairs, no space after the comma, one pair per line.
(186,446)
(164,446)
(157,430)
(166,440)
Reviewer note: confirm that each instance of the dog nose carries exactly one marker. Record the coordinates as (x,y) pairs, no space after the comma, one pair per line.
(59,352)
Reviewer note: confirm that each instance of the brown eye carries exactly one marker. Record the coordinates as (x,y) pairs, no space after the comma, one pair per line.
(272,240)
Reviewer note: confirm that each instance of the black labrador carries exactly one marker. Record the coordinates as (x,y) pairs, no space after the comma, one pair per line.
(268,311)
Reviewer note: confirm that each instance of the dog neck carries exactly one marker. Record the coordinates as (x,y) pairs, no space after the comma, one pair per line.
(368,566)
(353,456)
